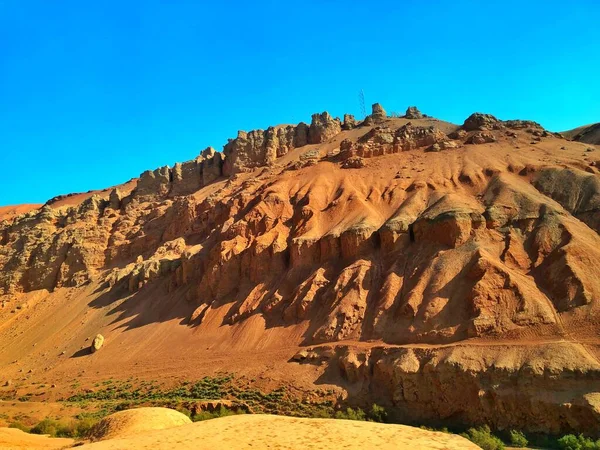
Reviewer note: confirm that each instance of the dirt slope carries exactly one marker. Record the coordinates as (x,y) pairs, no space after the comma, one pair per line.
(411,262)
(10,212)
(589,134)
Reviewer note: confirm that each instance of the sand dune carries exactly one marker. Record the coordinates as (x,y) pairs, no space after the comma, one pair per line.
(264,431)
(136,421)
(12,439)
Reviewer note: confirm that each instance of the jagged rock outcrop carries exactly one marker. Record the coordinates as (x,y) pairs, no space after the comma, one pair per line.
(412,112)
(410,137)
(261,147)
(301,135)
(183,179)
(479,121)
(378,113)
(443,145)
(186,177)
(480,137)
(458,134)
(522,124)
(323,127)
(248,151)
(114,200)
(212,165)
(154,182)
(384,140)
(61,248)
(349,122)
(354,162)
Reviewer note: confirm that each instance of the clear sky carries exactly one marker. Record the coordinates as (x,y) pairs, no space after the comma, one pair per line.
(92,93)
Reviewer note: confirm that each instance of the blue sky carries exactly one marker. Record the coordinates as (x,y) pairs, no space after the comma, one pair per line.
(94,93)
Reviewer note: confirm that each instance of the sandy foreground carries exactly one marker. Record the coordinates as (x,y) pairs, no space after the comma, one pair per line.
(278,432)
(11,438)
(258,432)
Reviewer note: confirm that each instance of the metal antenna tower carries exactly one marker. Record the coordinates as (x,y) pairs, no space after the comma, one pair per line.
(361,101)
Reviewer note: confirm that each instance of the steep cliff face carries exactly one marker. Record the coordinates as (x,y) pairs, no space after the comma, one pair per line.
(430,248)
(182,179)
(552,388)
(260,148)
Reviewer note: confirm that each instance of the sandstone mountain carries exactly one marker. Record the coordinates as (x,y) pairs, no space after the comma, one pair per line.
(447,272)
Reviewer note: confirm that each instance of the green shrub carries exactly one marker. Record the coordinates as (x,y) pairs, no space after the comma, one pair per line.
(569,442)
(221,412)
(84,425)
(319,413)
(19,426)
(202,415)
(517,439)
(572,442)
(377,413)
(351,414)
(46,426)
(224,412)
(483,437)
(66,429)
(71,429)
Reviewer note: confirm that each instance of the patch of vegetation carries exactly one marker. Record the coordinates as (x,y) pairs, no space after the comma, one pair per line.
(47,426)
(572,442)
(71,429)
(439,430)
(378,413)
(19,426)
(351,414)
(483,437)
(83,426)
(518,439)
(221,412)
(95,415)
(208,388)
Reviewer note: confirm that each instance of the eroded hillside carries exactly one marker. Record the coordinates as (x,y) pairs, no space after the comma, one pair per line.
(447,272)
